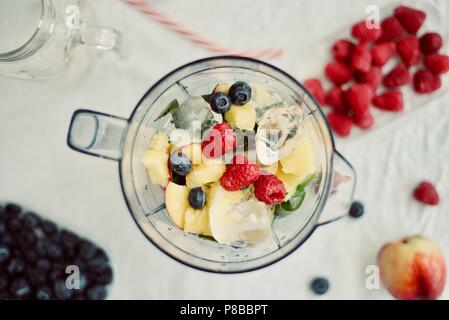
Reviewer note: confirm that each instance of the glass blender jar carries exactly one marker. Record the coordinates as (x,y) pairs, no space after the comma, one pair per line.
(125,140)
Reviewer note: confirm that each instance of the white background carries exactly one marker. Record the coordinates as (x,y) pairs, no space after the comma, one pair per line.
(38,170)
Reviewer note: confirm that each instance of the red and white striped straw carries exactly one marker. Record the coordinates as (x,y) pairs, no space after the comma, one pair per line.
(162,18)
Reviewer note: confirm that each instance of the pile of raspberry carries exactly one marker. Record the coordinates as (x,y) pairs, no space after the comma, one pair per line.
(357,71)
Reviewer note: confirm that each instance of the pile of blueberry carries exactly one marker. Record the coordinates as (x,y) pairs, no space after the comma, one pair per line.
(35,254)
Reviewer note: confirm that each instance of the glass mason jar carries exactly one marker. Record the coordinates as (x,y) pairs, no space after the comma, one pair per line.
(125,141)
(38,37)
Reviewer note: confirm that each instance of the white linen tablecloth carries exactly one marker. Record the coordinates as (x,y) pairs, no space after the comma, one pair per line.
(82,193)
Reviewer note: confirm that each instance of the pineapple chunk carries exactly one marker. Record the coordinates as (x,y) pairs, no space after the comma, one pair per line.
(205,173)
(159,141)
(273,168)
(197,221)
(290,182)
(300,162)
(176,202)
(221,88)
(193,152)
(242,117)
(155,161)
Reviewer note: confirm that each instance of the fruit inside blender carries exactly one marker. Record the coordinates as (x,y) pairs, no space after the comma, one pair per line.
(232,161)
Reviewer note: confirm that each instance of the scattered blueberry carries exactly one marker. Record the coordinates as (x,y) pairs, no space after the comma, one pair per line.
(220,102)
(320,285)
(197,198)
(240,93)
(356,210)
(180,163)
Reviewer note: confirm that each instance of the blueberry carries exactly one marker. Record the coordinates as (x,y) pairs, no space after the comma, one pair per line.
(356,210)
(197,198)
(104,277)
(13,208)
(16,266)
(220,102)
(178,179)
(68,240)
(87,250)
(3,229)
(240,93)
(3,282)
(49,228)
(54,251)
(36,276)
(180,163)
(20,288)
(30,256)
(5,253)
(14,225)
(61,291)
(31,220)
(27,239)
(43,293)
(320,285)
(43,265)
(41,247)
(96,293)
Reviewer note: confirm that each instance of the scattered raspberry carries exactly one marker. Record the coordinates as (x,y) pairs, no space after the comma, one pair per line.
(408,50)
(239,174)
(336,100)
(361,58)
(359,98)
(340,123)
(221,139)
(390,101)
(425,82)
(269,189)
(411,19)
(381,53)
(342,50)
(316,89)
(437,63)
(364,120)
(426,193)
(361,32)
(338,73)
(397,77)
(430,43)
(392,30)
(373,77)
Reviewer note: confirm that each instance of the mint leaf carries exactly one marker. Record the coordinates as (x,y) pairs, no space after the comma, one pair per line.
(296,200)
(207,97)
(170,108)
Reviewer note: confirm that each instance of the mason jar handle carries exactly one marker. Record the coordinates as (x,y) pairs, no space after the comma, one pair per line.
(342,191)
(97,134)
(103,39)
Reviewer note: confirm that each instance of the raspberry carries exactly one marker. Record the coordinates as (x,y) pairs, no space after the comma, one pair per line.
(397,77)
(437,63)
(408,50)
(336,100)
(340,123)
(338,73)
(361,58)
(381,53)
(373,77)
(427,194)
(239,174)
(430,43)
(342,50)
(425,82)
(359,97)
(316,89)
(361,32)
(390,101)
(392,30)
(364,120)
(411,19)
(221,139)
(269,189)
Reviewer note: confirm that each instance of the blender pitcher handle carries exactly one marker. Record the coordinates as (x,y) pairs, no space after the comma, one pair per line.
(97,134)
(342,191)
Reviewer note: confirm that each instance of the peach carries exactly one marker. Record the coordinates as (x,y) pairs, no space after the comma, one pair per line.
(412,268)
